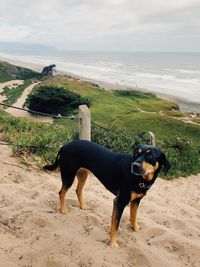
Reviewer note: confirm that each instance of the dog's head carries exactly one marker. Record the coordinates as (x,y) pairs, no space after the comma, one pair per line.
(148,161)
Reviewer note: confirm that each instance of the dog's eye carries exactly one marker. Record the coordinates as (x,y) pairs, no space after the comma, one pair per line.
(137,153)
(149,154)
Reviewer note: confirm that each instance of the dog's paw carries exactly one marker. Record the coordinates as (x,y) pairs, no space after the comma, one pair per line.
(64,210)
(114,244)
(135,227)
(85,207)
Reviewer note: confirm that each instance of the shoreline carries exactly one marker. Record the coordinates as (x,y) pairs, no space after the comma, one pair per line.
(184,104)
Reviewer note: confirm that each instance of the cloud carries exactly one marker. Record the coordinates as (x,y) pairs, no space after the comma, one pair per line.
(105,24)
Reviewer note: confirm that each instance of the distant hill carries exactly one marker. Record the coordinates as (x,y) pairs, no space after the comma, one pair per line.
(11,72)
(20,48)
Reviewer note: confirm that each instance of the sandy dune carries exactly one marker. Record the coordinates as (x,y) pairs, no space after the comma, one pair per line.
(9,84)
(34,233)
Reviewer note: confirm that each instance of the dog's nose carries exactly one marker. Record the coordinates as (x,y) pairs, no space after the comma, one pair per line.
(136,168)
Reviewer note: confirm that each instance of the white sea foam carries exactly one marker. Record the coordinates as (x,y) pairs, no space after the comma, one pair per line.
(164,73)
(185,71)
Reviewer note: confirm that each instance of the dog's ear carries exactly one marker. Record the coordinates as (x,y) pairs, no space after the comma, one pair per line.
(135,147)
(166,164)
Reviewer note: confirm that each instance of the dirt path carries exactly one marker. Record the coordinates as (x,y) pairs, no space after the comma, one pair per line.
(20,102)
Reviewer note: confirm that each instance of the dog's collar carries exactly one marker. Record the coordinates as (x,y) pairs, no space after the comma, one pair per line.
(144,186)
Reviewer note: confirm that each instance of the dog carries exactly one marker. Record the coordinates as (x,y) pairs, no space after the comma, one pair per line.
(128,177)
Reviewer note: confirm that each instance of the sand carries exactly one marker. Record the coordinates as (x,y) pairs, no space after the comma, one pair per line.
(34,233)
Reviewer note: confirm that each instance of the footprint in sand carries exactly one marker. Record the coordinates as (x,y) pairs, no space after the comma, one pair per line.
(15,177)
(154,234)
(5,201)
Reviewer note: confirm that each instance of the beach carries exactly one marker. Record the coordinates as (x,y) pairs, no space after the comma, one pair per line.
(188,101)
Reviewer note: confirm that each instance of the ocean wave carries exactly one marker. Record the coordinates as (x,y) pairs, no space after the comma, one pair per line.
(186,71)
(155,75)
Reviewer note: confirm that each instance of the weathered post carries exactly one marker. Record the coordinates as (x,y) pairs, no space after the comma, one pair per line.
(152,139)
(84,123)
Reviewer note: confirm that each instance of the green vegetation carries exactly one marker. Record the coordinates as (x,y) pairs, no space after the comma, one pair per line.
(183,155)
(12,94)
(55,100)
(11,72)
(24,132)
(115,139)
(4,76)
(134,111)
(125,114)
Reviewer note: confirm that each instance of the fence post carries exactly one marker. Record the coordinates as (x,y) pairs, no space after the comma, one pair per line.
(84,123)
(152,139)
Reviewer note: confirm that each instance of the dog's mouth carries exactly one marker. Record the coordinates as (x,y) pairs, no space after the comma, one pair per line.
(145,170)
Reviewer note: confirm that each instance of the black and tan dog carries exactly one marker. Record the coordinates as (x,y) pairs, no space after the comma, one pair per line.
(128,177)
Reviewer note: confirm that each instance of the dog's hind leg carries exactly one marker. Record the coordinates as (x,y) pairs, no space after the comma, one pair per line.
(67,180)
(62,193)
(82,176)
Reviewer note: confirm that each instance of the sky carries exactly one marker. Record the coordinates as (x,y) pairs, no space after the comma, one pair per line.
(107,25)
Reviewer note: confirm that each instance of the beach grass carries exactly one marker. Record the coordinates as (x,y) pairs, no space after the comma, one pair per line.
(28,137)
(12,94)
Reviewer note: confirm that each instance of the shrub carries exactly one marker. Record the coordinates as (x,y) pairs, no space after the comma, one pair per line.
(34,137)
(54,100)
(26,74)
(183,156)
(116,139)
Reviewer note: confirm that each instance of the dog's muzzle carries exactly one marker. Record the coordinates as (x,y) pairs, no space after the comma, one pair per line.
(136,169)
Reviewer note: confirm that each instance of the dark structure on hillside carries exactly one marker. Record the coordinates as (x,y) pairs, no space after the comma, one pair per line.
(47,71)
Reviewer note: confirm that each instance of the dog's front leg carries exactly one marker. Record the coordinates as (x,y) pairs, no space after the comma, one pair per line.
(134,204)
(118,208)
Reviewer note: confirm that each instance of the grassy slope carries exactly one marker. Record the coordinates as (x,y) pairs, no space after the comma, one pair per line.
(11,72)
(135,111)
(25,132)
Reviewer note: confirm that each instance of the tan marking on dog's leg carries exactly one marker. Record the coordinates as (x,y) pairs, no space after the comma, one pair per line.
(135,195)
(113,231)
(133,215)
(82,176)
(62,193)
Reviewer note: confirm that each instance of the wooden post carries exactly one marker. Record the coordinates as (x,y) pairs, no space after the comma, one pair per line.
(152,139)
(84,123)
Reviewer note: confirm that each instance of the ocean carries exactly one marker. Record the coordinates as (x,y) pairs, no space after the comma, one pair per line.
(171,74)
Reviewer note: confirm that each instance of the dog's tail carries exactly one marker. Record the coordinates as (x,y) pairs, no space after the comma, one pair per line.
(51,167)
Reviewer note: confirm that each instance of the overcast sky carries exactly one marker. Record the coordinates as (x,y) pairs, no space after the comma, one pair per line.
(136,25)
